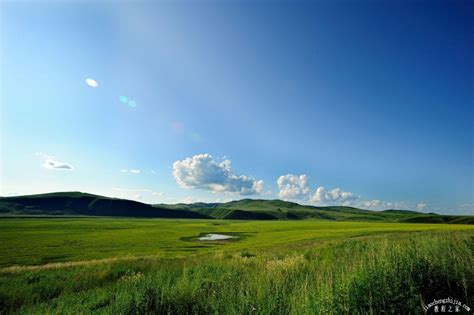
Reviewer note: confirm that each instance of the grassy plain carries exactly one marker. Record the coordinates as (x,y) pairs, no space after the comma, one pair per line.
(46,240)
(135,266)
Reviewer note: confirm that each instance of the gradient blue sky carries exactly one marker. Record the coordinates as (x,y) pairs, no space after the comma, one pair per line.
(372,97)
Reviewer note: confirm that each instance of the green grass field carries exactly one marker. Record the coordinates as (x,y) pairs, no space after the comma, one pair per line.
(136,266)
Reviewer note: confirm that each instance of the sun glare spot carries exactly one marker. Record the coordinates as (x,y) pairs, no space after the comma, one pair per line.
(92,83)
(123,99)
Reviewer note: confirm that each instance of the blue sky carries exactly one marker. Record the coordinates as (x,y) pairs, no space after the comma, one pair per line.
(363,103)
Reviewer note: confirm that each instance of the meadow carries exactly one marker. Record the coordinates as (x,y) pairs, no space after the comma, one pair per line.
(139,266)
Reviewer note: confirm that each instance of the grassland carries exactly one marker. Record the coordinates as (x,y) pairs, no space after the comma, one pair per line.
(49,240)
(123,266)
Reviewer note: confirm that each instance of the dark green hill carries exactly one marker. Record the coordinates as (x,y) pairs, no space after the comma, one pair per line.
(402,211)
(77,203)
(283,210)
(440,219)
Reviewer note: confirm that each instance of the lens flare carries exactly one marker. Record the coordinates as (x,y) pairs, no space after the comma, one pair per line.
(123,99)
(92,83)
(132,104)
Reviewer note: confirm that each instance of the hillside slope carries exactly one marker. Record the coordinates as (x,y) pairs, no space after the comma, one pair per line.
(77,203)
(284,210)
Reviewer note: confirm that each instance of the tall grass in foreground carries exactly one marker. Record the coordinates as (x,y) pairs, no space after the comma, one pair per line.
(391,274)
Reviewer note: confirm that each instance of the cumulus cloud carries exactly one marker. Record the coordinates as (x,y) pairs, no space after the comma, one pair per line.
(202,171)
(334,196)
(296,187)
(52,163)
(370,204)
(376,204)
(293,187)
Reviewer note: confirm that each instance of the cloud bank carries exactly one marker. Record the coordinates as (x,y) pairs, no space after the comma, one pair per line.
(334,196)
(296,188)
(202,171)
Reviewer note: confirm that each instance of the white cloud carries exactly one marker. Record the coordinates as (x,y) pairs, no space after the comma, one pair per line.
(332,197)
(57,165)
(396,205)
(296,187)
(370,204)
(52,163)
(466,208)
(203,172)
(138,194)
(133,171)
(421,206)
(293,187)
(10,194)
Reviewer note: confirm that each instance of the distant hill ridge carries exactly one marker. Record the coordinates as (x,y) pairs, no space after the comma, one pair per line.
(77,203)
(284,210)
(84,204)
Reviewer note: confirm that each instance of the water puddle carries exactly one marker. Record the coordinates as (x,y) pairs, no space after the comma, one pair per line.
(215,237)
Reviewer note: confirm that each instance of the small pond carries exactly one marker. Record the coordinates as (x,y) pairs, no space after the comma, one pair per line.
(215,237)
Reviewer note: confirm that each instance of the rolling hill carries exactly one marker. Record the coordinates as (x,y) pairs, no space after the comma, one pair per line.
(83,204)
(253,209)
(77,203)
